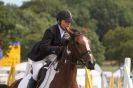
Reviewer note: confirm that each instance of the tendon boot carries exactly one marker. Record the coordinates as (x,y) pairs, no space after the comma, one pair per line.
(32,83)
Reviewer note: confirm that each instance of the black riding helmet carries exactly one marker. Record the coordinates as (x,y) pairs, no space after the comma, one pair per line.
(64,15)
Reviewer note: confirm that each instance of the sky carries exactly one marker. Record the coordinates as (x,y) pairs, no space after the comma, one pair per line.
(16,2)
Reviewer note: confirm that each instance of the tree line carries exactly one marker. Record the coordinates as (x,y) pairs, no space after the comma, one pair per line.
(108,23)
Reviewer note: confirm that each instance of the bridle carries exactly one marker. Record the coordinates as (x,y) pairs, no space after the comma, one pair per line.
(79,56)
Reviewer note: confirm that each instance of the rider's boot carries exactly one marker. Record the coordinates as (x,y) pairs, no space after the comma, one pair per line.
(32,83)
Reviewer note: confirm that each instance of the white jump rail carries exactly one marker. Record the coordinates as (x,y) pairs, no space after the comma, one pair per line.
(127,80)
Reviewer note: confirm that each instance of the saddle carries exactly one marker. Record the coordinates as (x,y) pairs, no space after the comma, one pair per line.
(43,71)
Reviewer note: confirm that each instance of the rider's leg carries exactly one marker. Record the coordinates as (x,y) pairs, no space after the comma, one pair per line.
(32,83)
(36,67)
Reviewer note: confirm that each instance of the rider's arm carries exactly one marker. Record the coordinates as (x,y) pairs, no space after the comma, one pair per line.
(46,44)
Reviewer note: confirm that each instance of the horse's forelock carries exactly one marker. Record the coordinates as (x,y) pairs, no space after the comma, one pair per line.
(75,34)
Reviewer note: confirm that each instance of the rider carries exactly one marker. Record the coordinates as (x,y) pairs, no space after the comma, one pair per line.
(51,45)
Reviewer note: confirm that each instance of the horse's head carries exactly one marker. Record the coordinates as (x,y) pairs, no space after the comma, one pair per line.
(79,49)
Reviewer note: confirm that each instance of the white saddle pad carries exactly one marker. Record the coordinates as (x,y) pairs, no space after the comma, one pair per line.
(46,82)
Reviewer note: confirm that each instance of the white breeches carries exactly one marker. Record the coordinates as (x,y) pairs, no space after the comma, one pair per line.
(36,66)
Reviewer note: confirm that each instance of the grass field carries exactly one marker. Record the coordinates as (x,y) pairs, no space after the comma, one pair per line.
(109,66)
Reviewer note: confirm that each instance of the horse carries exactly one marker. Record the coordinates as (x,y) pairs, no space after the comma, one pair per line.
(62,73)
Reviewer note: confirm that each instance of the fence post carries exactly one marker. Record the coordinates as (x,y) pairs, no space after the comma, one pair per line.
(127,79)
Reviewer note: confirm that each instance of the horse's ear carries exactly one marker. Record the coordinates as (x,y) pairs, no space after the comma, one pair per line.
(73,32)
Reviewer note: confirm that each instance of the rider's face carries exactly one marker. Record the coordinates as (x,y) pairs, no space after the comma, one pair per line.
(65,24)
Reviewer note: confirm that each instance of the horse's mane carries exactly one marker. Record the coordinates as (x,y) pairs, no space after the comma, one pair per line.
(75,32)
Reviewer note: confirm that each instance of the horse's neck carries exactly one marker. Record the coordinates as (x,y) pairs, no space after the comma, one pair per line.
(68,72)
(68,67)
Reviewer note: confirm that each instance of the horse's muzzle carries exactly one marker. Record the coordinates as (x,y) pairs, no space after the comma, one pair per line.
(90,65)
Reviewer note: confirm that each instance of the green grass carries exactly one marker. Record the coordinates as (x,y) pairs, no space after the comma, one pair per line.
(109,66)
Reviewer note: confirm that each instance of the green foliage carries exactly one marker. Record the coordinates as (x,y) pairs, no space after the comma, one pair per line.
(7,24)
(108,15)
(97,48)
(105,12)
(48,6)
(119,43)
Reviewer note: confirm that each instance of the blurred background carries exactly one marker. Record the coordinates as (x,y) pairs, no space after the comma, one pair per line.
(108,23)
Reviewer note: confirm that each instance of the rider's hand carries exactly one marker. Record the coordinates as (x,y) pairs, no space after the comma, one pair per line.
(65,39)
(59,50)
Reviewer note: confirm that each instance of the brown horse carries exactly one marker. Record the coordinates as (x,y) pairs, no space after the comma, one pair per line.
(64,76)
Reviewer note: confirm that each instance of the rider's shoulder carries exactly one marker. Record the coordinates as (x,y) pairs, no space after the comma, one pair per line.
(52,28)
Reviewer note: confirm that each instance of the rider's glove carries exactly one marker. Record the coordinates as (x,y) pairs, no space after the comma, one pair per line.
(65,39)
(59,50)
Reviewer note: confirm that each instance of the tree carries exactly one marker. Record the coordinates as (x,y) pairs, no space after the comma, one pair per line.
(108,15)
(6,25)
(119,43)
(97,48)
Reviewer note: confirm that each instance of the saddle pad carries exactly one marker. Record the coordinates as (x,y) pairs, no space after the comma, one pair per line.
(49,76)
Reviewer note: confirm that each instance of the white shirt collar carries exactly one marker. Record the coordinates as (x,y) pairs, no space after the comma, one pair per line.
(61,31)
